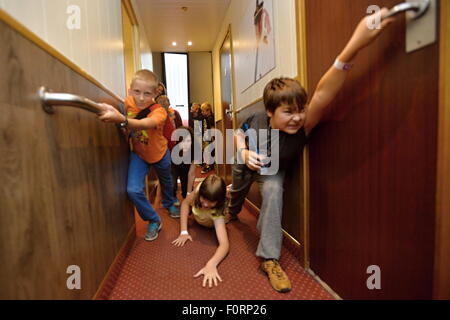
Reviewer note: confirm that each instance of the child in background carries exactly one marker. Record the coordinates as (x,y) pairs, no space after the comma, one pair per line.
(173,114)
(208,123)
(195,115)
(196,123)
(208,202)
(185,171)
(160,90)
(149,146)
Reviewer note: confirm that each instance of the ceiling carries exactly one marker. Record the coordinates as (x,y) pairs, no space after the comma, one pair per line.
(165,21)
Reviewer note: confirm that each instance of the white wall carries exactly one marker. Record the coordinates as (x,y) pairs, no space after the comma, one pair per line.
(285,46)
(97,47)
(200,77)
(145,52)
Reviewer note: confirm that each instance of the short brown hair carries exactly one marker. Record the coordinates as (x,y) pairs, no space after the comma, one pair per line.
(213,188)
(145,75)
(161,88)
(284,90)
(162,97)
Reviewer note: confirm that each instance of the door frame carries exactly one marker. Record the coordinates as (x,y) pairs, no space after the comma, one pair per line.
(302,77)
(233,92)
(229,35)
(441,285)
(128,11)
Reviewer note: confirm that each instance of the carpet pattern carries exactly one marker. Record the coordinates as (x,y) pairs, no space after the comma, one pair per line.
(158,270)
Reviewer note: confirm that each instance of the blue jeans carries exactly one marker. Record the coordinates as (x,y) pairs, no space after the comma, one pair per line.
(137,171)
(270,215)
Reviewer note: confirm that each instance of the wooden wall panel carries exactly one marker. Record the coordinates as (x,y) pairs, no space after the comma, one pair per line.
(442,249)
(373,164)
(63,191)
(220,168)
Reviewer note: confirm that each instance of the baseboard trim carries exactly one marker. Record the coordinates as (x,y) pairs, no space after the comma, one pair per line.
(109,281)
(323,284)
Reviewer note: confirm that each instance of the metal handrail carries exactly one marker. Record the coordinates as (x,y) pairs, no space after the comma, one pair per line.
(51,99)
(419,7)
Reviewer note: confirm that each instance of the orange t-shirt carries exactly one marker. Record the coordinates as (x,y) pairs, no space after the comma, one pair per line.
(150,144)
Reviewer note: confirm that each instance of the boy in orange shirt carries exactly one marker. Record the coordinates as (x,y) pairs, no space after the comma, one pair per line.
(149,147)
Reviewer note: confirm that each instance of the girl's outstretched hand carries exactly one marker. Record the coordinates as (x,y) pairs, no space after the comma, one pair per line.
(181,240)
(210,275)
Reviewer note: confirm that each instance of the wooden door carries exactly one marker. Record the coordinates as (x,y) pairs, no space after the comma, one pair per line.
(227,100)
(373,163)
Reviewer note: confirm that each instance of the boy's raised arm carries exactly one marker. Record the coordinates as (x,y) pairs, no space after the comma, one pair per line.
(333,80)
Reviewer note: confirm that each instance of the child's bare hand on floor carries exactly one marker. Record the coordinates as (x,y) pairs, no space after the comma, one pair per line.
(181,240)
(210,275)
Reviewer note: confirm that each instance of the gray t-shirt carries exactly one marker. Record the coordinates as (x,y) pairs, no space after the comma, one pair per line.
(290,145)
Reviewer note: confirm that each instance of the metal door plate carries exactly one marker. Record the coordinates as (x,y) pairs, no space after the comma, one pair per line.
(421,32)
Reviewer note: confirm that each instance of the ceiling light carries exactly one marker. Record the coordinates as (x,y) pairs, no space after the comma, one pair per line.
(189,43)
(174,44)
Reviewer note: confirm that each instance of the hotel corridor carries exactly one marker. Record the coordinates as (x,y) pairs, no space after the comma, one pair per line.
(158,270)
(355,118)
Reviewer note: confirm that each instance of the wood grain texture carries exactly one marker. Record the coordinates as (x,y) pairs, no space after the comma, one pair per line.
(373,163)
(226,85)
(63,191)
(442,250)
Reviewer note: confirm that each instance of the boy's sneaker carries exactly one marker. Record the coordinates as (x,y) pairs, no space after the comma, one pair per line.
(176,203)
(174,212)
(277,277)
(152,231)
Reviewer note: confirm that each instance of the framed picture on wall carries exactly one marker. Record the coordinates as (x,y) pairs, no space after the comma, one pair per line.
(255,43)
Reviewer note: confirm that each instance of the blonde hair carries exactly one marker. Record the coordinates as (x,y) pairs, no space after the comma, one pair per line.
(206,106)
(196,105)
(145,75)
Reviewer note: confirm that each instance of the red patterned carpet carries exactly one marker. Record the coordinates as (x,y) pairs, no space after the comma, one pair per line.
(158,270)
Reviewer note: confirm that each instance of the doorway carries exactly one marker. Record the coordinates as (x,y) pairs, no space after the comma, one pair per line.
(226,89)
(177,82)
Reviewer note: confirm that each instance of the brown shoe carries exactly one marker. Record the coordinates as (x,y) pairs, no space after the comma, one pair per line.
(277,277)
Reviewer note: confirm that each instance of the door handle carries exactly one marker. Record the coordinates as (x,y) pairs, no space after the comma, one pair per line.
(229,112)
(51,99)
(419,32)
(419,7)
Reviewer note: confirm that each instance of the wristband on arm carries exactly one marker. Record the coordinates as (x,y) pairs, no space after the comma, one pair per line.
(342,65)
(184,232)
